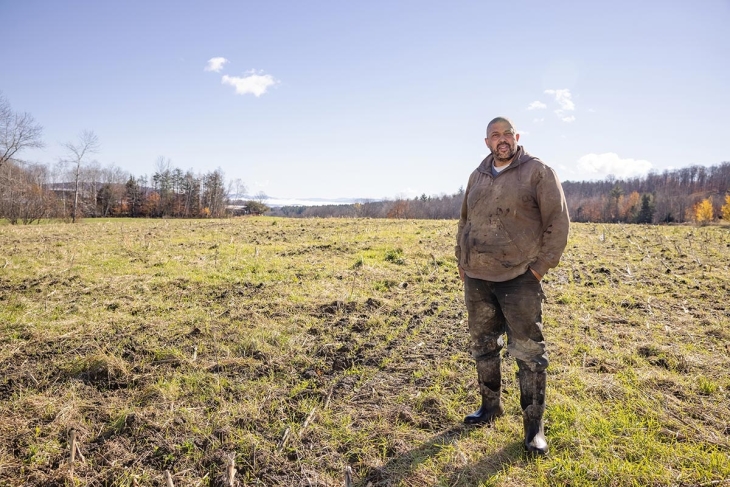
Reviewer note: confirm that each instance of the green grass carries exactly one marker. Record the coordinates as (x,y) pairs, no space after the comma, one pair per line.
(304,346)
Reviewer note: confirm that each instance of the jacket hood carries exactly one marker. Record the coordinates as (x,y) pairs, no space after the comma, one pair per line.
(521,156)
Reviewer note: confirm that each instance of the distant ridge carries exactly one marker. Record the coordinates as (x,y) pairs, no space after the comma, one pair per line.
(277,202)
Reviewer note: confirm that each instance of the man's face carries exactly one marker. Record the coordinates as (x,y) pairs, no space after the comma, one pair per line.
(502,141)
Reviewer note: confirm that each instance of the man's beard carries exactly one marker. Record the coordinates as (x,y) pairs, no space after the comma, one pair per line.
(511,151)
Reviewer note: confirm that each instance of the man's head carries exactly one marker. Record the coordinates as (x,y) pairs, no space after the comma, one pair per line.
(502,140)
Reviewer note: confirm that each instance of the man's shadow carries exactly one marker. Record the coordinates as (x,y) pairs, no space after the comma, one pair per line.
(402,466)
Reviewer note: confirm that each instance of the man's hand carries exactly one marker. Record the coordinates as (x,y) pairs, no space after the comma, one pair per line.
(534,273)
(461,274)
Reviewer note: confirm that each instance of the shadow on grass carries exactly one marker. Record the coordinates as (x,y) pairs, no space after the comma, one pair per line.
(489,465)
(401,467)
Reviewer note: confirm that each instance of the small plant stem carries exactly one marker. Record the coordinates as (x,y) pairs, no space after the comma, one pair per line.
(308,420)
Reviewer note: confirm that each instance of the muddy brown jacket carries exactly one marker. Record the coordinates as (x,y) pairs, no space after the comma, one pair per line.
(512,222)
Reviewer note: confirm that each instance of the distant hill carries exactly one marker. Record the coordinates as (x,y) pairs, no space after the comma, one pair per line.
(277,202)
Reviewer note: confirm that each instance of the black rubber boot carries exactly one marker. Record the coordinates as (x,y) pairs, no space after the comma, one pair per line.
(490,386)
(532,400)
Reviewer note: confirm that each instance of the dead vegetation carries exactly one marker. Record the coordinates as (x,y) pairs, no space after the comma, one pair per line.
(158,352)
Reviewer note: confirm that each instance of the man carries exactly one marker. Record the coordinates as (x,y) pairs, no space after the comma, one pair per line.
(513,228)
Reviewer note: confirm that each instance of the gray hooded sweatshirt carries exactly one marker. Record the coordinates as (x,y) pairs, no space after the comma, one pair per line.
(512,222)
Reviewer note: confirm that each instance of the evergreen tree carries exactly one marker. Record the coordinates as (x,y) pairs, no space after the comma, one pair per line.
(646,213)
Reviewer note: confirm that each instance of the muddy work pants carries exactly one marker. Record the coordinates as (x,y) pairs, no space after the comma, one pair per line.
(513,307)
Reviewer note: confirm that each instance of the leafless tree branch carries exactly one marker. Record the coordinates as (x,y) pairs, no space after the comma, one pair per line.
(18,131)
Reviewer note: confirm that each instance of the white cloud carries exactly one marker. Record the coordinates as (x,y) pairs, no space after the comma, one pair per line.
(536,105)
(601,165)
(563,97)
(538,120)
(523,133)
(255,84)
(215,64)
(565,118)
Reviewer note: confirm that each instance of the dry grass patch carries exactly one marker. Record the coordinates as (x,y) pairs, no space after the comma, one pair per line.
(299,347)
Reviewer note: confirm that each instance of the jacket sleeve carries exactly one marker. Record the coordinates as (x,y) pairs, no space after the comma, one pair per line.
(555,221)
(462,221)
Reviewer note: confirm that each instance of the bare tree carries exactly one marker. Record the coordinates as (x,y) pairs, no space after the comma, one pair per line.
(214,193)
(236,188)
(18,131)
(92,175)
(23,192)
(162,179)
(112,190)
(87,143)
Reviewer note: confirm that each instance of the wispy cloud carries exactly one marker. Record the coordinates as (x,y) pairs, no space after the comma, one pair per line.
(406,193)
(215,64)
(254,83)
(609,163)
(564,98)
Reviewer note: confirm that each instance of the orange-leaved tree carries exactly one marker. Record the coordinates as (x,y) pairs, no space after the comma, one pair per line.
(703,212)
(725,210)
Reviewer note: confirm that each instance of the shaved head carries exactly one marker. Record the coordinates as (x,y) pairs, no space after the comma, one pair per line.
(503,120)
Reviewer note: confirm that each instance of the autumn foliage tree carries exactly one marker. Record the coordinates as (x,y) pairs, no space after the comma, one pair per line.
(399,209)
(703,212)
(629,206)
(725,210)
(672,193)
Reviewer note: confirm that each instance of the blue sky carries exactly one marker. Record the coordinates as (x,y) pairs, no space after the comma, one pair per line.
(372,99)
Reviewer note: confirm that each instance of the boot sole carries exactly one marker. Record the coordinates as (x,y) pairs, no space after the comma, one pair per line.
(535,451)
(487,420)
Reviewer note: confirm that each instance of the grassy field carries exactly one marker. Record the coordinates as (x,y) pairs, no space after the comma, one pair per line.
(296,348)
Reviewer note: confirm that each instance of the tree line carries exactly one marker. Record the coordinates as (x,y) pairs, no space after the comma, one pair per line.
(31,192)
(79,186)
(422,207)
(690,194)
(696,194)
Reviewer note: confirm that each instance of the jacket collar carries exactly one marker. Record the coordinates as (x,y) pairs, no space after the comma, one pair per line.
(486,165)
